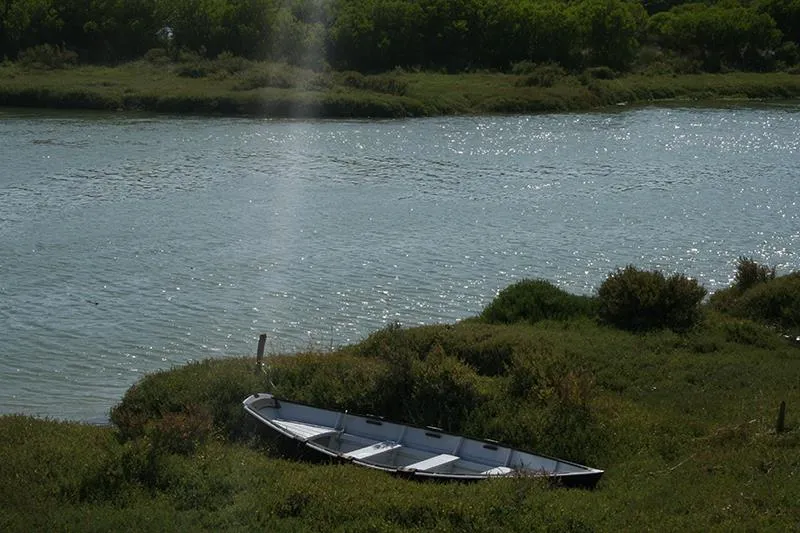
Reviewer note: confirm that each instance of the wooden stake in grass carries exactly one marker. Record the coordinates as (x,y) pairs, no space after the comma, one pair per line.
(262,341)
(779,426)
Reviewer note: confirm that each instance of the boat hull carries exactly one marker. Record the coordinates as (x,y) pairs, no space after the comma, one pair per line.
(405,450)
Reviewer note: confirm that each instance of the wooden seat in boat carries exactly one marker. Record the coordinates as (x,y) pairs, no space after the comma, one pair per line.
(374,449)
(433,462)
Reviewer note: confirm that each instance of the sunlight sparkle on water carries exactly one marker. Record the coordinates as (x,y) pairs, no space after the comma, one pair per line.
(204,233)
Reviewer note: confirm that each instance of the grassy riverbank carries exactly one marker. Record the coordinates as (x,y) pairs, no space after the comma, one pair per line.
(683,423)
(234,86)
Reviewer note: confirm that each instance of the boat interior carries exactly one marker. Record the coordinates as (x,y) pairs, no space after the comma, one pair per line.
(374,442)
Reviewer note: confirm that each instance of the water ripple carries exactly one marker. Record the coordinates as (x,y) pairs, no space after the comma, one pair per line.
(131,244)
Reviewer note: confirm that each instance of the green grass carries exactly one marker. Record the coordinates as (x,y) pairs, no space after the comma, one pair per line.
(683,424)
(239,87)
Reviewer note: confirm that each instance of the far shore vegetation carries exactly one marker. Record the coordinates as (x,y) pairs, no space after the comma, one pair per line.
(675,393)
(393,58)
(279,90)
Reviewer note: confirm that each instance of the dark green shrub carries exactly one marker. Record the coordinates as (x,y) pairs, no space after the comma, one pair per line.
(749,333)
(527,378)
(485,348)
(188,56)
(386,84)
(324,380)
(444,391)
(544,75)
(599,73)
(544,379)
(46,56)
(351,78)
(396,345)
(195,69)
(546,406)
(776,302)
(788,53)
(280,76)
(157,56)
(750,273)
(144,463)
(523,68)
(638,300)
(704,345)
(381,83)
(725,300)
(265,77)
(180,432)
(572,430)
(535,300)
(488,357)
(423,376)
(319,82)
(215,387)
(136,462)
(227,62)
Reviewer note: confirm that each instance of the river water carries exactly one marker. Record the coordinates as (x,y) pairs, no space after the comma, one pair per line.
(132,243)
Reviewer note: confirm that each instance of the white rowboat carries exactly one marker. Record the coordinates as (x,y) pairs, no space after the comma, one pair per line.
(405,449)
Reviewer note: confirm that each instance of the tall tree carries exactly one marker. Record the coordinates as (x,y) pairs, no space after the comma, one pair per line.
(610,31)
(717,36)
(27,23)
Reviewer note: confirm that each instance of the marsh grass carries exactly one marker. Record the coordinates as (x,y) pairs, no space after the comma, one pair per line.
(232,86)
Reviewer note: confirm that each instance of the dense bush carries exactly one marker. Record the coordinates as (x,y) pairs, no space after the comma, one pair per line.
(788,54)
(534,300)
(750,273)
(488,349)
(379,35)
(745,332)
(598,73)
(195,66)
(341,382)
(776,302)
(182,432)
(638,300)
(444,391)
(157,56)
(168,402)
(48,57)
(720,36)
(395,344)
(278,76)
(544,75)
(493,381)
(545,405)
(757,294)
(785,13)
(423,379)
(384,83)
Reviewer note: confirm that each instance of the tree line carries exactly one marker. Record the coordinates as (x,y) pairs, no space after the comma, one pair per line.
(452,35)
